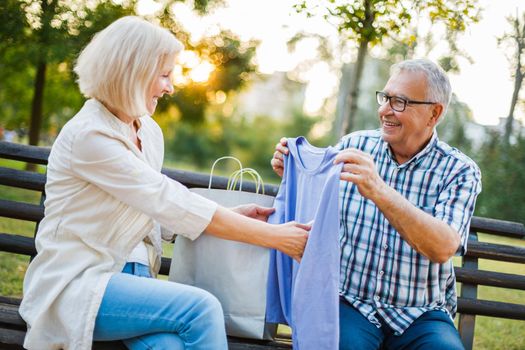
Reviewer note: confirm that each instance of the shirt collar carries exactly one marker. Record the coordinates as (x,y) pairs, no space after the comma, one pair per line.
(114,122)
(416,158)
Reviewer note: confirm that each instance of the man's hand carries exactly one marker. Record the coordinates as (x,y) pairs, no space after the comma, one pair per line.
(254,211)
(359,168)
(277,160)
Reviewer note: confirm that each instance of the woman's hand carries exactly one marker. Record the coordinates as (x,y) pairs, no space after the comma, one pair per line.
(291,239)
(254,211)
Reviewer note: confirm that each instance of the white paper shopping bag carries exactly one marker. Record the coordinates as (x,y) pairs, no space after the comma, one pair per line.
(236,273)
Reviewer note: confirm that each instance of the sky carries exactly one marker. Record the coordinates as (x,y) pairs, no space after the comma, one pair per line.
(485,85)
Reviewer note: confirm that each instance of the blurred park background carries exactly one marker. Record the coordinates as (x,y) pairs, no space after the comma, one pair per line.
(254,71)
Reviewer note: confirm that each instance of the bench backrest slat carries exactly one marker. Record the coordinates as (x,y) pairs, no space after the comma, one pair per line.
(497,252)
(21,211)
(22,179)
(490,278)
(24,153)
(497,227)
(492,308)
(17,244)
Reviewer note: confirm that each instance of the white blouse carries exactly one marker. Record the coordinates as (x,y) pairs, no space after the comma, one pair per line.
(104,196)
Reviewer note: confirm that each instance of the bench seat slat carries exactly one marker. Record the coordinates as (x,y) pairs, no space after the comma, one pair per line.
(11,339)
(9,315)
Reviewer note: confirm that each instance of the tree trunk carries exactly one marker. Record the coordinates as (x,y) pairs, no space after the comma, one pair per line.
(518,76)
(36,107)
(350,114)
(342,101)
(518,80)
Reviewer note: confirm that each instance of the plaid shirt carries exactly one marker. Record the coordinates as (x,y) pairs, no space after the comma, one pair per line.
(382,276)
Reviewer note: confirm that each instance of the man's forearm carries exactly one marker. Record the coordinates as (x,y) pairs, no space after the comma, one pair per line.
(426,234)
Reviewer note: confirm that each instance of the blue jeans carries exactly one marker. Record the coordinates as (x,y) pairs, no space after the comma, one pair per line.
(147,313)
(432,330)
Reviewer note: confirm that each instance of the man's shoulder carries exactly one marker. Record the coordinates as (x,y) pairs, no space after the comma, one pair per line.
(461,158)
(357,138)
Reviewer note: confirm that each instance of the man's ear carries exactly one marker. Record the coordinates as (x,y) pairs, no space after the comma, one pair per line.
(437,112)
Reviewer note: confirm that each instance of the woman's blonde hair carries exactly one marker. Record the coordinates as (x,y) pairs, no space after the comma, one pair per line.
(121,61)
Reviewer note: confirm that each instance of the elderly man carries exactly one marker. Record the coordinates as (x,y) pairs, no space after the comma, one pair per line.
(406,200)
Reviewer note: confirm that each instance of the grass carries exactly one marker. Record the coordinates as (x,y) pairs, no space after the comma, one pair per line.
(490,333)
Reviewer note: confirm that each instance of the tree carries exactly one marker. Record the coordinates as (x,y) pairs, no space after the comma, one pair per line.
(503,169)
(231,64)
(43,35)
(370,22)
(516,38)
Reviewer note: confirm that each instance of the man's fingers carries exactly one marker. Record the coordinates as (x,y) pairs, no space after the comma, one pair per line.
(354,168)
(276,163)
(278,155)
(352,155)
(349,177)
(281,148)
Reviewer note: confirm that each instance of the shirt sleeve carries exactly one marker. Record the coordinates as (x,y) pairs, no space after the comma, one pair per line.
(105,160)
(456,202)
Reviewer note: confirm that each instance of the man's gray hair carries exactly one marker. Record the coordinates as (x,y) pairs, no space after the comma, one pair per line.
(439,88)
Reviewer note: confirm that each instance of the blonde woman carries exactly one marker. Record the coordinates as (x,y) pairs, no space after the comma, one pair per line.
(107,206)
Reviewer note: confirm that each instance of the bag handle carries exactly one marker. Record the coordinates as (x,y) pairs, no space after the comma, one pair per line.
(259,183)
(222,158)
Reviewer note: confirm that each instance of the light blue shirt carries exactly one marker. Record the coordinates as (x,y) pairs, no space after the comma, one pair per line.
(305,296)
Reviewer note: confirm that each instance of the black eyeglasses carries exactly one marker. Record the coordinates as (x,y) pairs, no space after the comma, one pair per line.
(398,104)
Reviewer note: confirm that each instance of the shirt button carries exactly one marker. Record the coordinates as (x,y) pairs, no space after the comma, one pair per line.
(385,246)
(376,297)
(381,273)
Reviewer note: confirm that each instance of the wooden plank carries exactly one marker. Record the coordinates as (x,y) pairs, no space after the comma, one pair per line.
(21,211)
(467,323)
(235,343)
(22,179)
(9,315)
(498,227)
(17,244)
(491,308)
(165,266)
(490,278)
(24,153)
(498,252)
(109,345)
(11,339)
(10,300)
(192,179)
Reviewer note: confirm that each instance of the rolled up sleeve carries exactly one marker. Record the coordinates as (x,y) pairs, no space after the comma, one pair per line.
(456,202)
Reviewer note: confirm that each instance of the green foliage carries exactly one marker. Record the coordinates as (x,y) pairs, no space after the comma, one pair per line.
(503,171)
(252,140)
(233,60)
(373,21)
(53,33)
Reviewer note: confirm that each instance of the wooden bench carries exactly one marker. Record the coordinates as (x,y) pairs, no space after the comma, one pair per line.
(12,327)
